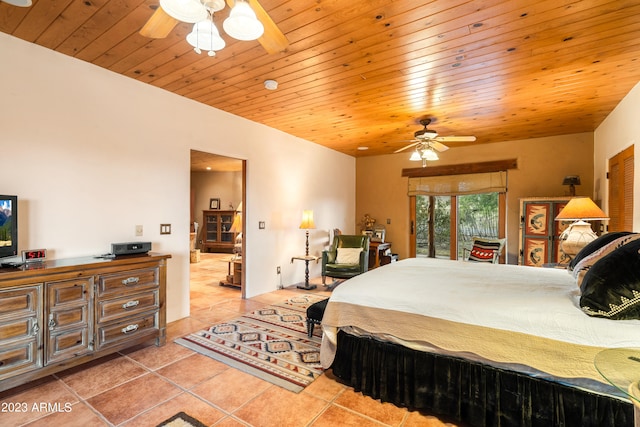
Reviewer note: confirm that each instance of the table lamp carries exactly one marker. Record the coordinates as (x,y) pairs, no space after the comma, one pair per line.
(579,233)
(307,224)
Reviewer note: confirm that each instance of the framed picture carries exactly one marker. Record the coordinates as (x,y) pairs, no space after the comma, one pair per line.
(378,235)
(368,233)
(214,203)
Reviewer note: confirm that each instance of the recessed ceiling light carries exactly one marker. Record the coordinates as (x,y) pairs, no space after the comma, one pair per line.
(208,168)
(362,148)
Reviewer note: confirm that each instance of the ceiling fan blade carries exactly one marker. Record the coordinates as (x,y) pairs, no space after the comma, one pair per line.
(272,40)
(438,146)
(456,138)
(159,25)
(413,144)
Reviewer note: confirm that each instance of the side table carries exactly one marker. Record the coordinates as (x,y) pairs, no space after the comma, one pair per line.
(621,367)
(376,249)
(306,259)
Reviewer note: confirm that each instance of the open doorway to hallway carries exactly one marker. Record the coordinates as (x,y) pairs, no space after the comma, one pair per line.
(216,221)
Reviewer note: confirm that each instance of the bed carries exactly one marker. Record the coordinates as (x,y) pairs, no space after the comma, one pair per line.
(480,344)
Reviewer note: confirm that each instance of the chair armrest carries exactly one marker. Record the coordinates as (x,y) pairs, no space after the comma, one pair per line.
(364,261)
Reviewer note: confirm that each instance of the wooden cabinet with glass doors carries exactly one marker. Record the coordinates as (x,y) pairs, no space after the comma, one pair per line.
(540,232)
(216,234)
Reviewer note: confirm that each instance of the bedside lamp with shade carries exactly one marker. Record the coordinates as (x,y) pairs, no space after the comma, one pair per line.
(579,233)
(307,224)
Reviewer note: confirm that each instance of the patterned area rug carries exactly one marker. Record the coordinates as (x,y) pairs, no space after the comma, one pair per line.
(270,343)
(181,420)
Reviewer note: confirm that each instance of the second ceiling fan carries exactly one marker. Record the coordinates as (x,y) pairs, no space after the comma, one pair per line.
(170,12)
(427,142)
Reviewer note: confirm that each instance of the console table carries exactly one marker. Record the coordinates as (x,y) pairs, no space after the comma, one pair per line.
(62,313)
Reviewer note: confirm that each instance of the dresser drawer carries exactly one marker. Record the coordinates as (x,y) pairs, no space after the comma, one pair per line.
(19,302)
(128,330)
(129,281)
(19,357)
(118,308)
(68,344)
(75,292)
(18,329)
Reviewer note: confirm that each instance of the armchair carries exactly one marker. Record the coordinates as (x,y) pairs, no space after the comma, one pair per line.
(347,257)
(484,249)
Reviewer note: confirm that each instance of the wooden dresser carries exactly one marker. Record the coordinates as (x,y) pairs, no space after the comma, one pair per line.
(62,313)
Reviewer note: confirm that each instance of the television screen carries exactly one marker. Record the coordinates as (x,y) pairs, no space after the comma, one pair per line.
(8,226)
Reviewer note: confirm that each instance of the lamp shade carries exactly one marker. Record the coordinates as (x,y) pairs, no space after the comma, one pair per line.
(19,3)
(581,208)
(236,226)
(415,156)
(307,220)
(190,11)
(242,23)
(429,154)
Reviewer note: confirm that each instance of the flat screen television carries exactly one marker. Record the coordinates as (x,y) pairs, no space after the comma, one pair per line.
(8,226)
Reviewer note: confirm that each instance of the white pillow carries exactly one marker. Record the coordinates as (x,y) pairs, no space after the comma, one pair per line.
(348,256)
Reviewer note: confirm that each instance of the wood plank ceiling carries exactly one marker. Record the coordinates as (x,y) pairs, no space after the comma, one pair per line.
(362,73)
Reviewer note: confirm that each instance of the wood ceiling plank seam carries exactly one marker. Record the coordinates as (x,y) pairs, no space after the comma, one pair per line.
(126,26)
(62,27)
(40,15)
(328,50)
(96,25)
(589,60)
(11,17)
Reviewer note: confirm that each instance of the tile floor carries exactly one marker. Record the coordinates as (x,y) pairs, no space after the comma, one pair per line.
(146,385)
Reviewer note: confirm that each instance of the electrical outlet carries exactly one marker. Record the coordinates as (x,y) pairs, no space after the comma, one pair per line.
(278,270)
(138,230)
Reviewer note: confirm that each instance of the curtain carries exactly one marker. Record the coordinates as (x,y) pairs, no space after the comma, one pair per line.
(473,183)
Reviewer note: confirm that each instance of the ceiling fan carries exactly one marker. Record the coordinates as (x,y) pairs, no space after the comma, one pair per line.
(166,17)
(427,142)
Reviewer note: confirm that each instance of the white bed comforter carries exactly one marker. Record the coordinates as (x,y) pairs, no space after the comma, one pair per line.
(540,302)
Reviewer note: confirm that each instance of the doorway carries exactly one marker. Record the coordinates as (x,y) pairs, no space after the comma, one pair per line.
(217,199)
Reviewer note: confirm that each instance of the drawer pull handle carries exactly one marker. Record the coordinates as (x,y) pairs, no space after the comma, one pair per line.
(130,281)
(52,323)
(130,304)
(35,329)
(130,328)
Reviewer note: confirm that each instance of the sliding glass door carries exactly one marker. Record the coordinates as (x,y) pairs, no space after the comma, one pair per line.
(444,225)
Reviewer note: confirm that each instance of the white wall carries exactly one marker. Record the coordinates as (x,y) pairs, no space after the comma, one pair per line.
(91,154)
(618,131)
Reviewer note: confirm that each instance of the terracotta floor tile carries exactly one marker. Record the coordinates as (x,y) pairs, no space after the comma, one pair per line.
(129,400)
(337,416)
(231,389)
(184,402)
(78,414)
(37,402)
(384,412)
(192,370)
(99,377)
(230,422)
(325,387)
(211,316)
(282,408)
(154,357)
(183,327)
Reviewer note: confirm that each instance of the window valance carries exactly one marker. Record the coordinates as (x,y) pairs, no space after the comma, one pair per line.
(473,183)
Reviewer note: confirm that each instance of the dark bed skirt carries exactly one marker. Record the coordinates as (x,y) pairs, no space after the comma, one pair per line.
(469,392)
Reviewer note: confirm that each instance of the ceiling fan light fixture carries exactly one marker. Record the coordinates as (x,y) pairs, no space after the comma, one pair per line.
(429,154)
(205,36)
(415,156)
(19,3)
(190,11)
(242,23)
(270,84)
(213,5)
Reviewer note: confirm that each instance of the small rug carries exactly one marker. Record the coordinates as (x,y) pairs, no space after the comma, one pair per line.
(270,343)
(181,420)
